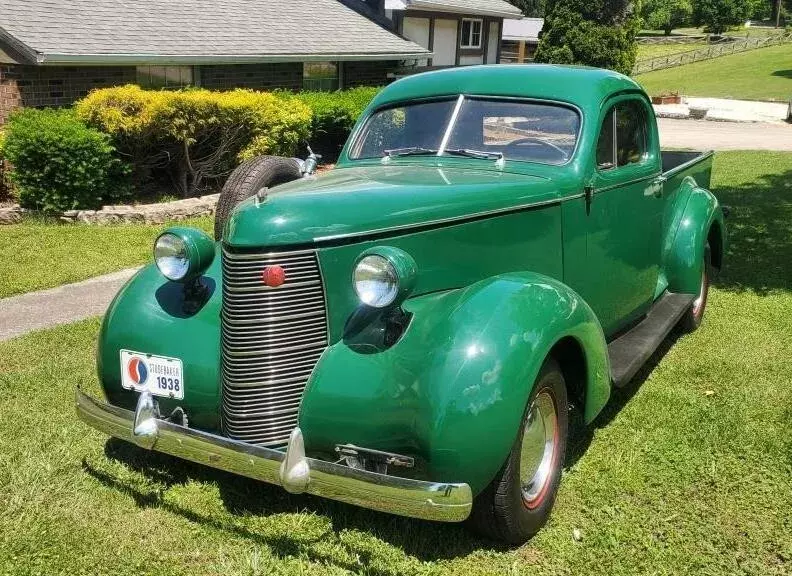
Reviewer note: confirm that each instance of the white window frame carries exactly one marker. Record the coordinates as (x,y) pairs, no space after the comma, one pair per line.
(320,84)
(465,43)
(143,77)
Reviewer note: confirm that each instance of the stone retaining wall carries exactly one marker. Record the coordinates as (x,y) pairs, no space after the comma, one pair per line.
(141,213)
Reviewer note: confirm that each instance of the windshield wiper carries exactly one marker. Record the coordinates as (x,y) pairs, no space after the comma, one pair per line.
(474,153)
(410,151)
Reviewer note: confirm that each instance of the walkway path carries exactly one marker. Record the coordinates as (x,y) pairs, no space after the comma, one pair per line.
(708,135)
(70,303)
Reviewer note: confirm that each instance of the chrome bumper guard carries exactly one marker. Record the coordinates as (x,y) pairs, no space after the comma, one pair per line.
(292,470)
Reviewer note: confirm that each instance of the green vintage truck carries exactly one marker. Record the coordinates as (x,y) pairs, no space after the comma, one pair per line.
(496,248)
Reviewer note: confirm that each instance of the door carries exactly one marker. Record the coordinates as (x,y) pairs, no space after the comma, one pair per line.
(624,215)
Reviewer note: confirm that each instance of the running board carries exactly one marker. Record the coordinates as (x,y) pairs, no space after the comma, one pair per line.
(632,349)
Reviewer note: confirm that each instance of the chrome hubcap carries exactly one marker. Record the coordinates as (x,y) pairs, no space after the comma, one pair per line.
(698,303)
(539,448)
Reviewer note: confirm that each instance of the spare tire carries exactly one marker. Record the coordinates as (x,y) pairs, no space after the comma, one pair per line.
(248,179)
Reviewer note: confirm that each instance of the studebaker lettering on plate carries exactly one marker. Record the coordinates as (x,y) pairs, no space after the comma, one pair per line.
(495,247)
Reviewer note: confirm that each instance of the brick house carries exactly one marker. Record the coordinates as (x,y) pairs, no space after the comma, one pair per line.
(53,52)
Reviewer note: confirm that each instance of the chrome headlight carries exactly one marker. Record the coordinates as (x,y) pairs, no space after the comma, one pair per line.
(383,276)
(182,254)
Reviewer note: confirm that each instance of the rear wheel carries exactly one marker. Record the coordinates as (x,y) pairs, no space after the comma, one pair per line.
(248,179)
(695,314)
(517,503)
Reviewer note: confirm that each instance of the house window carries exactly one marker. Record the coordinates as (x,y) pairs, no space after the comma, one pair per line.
(165,76)
(471,33)
(321,76)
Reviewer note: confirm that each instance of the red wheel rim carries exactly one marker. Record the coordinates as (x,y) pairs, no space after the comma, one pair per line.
(701,300)
(539,449)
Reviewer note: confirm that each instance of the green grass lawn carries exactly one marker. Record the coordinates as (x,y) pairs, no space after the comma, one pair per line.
(688,471)
(763,74)
(39,254)
(649,51)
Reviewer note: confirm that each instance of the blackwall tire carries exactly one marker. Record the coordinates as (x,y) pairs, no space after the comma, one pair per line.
(248,179)
(518,501)
(695,314)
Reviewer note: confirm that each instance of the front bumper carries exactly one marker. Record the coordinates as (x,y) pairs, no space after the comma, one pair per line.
(296,473)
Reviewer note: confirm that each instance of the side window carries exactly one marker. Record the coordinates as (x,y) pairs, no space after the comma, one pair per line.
(623,137)
(630,132)
(606,145)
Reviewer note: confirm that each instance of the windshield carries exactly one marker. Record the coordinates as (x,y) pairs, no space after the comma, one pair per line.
(472,127)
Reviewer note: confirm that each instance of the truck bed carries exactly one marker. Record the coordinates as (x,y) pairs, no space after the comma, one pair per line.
(679,164)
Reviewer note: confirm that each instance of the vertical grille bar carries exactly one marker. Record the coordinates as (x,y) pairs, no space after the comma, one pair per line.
(272,339)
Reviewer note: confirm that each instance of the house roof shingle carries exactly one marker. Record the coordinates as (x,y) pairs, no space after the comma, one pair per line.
(195,31)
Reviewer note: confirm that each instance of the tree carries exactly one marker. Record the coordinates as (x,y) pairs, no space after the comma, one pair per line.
(666,15)
(597,33)
(531,8)
(719,15)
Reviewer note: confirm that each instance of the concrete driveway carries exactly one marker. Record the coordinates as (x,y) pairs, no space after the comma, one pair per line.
(61,305)
(710,135)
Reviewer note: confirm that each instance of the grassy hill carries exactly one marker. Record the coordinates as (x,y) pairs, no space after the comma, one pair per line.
(764,74)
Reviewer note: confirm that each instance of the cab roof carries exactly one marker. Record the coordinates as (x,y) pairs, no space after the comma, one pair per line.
(581,86)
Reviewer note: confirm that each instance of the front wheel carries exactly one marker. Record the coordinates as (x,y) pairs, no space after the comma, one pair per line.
(517,503)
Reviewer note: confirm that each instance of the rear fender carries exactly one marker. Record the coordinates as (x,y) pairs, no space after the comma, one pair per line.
(453,390)
(697,211)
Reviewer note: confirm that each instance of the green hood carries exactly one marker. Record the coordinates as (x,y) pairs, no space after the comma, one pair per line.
(377,200)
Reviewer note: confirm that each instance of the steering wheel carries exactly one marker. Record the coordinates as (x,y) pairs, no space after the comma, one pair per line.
(533,140)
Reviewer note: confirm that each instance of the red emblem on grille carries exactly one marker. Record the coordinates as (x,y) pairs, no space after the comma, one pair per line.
(273,276)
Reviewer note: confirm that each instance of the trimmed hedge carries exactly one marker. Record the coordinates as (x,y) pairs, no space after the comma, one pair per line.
(333,116)
(188,140)
(60,164)
(195,138)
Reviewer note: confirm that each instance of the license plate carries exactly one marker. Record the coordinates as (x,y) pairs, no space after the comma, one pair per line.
(160,375)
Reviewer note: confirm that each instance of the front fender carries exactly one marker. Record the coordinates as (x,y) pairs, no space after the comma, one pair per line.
(148,316)
(698,210)
(453,390)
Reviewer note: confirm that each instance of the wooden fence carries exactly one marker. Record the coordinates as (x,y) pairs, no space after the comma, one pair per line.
(671,39)
(722,48)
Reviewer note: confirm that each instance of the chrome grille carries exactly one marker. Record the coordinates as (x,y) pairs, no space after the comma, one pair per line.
(272,338)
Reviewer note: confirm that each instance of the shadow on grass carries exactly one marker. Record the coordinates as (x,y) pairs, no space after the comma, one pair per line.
(783,73)
(760,234)
(619,398)
(426,541)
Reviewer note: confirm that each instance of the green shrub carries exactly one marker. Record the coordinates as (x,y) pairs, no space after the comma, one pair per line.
(5,185)
(333,116)
(666,15)
(597,33)
(61,164)
(194,138)
(720,15)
